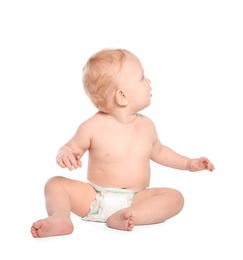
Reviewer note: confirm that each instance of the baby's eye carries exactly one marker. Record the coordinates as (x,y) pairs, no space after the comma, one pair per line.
(143,77)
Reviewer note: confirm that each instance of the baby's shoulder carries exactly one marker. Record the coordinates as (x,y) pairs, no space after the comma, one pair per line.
(93,122)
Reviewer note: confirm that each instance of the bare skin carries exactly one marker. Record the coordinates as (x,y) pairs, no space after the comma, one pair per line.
(119,156)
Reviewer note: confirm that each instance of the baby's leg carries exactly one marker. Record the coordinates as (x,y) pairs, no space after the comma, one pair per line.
(63,196)
(149,206)
(155,205)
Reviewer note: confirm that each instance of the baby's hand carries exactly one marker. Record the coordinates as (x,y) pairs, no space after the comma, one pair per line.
(68,159)
(199,164)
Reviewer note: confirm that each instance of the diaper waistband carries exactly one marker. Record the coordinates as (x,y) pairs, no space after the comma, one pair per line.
(113,190)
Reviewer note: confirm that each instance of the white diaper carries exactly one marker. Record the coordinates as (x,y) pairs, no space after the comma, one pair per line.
(108,201)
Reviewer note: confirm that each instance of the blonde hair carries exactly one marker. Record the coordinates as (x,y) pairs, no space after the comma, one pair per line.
(99,76)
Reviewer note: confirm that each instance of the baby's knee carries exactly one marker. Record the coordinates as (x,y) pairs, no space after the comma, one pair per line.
(54,181)
(178,199)
(175,199)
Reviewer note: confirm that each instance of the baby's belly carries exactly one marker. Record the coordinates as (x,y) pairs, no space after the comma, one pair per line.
(125,179)
(125,172)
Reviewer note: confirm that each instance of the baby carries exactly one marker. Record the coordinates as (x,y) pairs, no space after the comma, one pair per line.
(121,142)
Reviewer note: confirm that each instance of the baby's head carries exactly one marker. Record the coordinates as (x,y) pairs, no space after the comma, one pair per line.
(100,76)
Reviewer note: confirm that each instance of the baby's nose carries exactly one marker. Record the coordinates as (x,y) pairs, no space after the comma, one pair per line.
(148,81)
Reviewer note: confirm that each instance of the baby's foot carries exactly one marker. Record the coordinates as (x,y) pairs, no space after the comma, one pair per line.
(122,219)
(52,226)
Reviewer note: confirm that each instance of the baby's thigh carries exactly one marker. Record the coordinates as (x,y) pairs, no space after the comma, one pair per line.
(163,193)
(80,194)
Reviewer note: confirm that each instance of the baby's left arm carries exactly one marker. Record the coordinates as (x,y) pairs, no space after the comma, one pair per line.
(166,156)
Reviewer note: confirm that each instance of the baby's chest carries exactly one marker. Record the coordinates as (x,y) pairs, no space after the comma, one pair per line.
(118,144)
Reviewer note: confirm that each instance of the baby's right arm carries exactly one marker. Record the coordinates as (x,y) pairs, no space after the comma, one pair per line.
(69,156)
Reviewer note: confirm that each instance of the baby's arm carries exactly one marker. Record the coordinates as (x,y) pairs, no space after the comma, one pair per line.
(166,156)
(69,156)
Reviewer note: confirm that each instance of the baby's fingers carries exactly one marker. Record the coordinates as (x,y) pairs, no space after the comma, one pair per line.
(207,164)
(61,164)
(210,167)
(68,164)
(79,163)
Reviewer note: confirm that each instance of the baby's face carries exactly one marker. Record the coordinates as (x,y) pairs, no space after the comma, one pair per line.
(134,84)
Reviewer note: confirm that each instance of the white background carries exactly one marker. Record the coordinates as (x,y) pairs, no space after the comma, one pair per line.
(192,53)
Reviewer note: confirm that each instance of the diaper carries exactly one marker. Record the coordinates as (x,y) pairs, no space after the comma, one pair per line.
(108,201)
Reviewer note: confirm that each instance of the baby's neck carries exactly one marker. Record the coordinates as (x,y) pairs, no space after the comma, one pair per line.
(122,118)
(126,119)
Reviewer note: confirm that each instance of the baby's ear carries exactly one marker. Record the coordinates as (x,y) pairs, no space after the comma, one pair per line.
(121,98)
